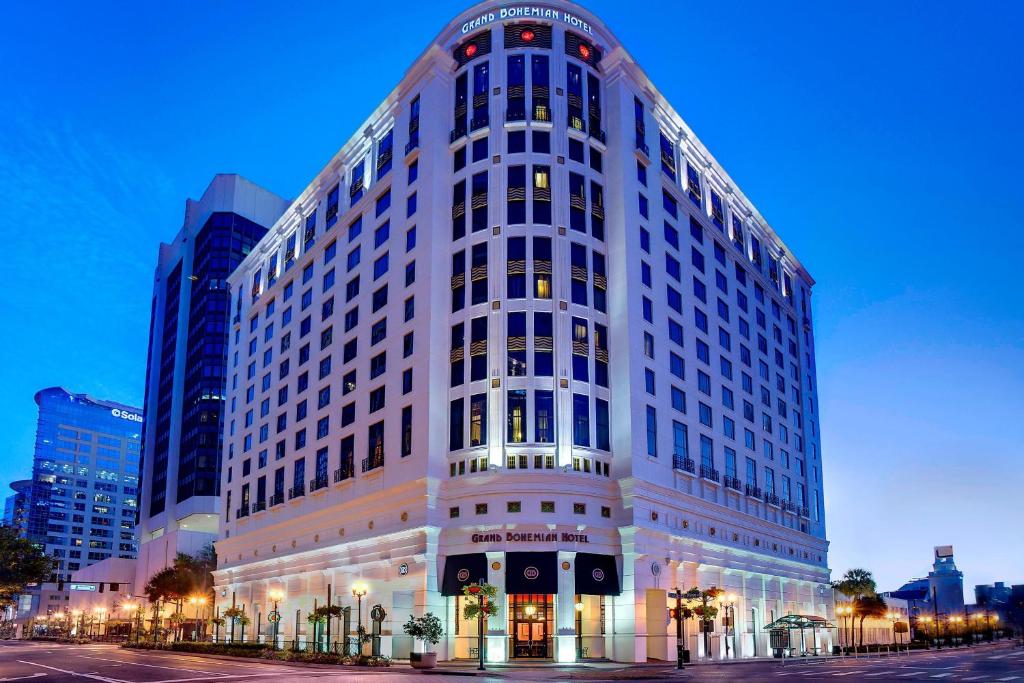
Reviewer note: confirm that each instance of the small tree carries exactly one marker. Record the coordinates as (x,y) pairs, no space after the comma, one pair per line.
(481,605)
(426,629)
(705,610)
(23,563)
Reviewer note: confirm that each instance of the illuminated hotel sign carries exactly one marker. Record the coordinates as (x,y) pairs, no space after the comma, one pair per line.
(126,415)
(527,12)
(530,537)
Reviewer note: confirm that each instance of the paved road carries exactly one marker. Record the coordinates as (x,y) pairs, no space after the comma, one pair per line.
(50,663)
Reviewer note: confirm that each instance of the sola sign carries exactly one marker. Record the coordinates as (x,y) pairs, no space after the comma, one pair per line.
(527,12)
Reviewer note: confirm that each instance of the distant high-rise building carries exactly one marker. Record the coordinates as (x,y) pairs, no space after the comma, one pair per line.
(83,497)
(16,505)
(186,366)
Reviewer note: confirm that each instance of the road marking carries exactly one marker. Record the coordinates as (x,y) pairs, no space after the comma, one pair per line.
(21,678)
(976,678)
(848,673)
(152,666)
(311,672)
(942,675)
(1008,678)
(93,676)
(911,673)
(881,673)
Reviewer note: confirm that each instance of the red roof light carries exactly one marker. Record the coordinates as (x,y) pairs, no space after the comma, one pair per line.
(471,49)
(584,51)
(528,36)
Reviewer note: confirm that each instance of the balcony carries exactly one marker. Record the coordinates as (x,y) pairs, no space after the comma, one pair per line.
(517,114)
(342,473)
(318,483)
(684,464)
(709,473)
(541,113)
(771,499)
(373,462)
(242,511)
(412,144)
(642,147)
(598,135)
(459,132)
(479,122)
(276,499)
(576,122)
(732,483)
(804,512)
(788,506)
(259,506)
(296,492)
(753,491)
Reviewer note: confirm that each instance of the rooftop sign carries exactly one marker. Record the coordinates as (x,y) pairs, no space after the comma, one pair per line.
(527,12)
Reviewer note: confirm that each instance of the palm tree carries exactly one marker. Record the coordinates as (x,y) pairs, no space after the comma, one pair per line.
(856,584)
(868,606)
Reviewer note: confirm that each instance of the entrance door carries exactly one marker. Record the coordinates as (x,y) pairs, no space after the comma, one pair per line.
(531,621)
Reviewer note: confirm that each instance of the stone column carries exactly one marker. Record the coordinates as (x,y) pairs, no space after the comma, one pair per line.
(565,608)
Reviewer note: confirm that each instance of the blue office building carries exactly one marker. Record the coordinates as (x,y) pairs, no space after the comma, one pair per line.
(81,506)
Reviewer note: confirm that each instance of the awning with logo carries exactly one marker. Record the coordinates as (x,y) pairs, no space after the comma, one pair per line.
(462,570)
(596,574)
(527,573)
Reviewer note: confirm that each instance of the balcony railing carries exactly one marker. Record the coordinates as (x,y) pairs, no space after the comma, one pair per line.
(457,133)
(804,512)
(276,499)
(515,114)
(342,473)
(259,506)
(542,113)
(243,511)
(771,499)
(296,492)
(684,464)
(642,146)
(709,473)
(318,483)
(412,144)
(576,123)
(598,135)
(753,491)
(731,482)
(373,463)
(478,122)
(788,506)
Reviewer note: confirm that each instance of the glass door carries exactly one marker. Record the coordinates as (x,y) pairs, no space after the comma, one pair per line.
(531,621)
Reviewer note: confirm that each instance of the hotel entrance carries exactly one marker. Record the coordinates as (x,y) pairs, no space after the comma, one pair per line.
(531,622)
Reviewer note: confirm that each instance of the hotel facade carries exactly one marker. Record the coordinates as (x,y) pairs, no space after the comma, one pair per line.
(523,328)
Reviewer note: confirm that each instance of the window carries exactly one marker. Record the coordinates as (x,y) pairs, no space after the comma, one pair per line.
(516,432)
(580,420)
(455,425)
(544,423)
(652,432)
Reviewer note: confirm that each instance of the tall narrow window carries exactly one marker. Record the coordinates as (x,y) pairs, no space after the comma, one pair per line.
(641,130)
(544,416)
(459,210)
(385,153)
(456,427)
(596,211)
(478,273)
(458,281)
(414,125)
(479,201)
(652,432)
(542,345)
(516,416)
(693,184)
(481,91)
(574,92)
(517,344)
(602,436)
(478,349)
(516,268)
(458,354)
(478,419)
(516,195)
(356,187)
(542,267)
(516,92)
(580,420)
(406,431)
(577,203)
(578,273)
(600,355)
(461,109)
(594,106)
(580,350)
(668,157)
(600,281)
(542,195)
(540,88)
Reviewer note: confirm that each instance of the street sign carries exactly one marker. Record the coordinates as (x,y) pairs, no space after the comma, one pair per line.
(274,616)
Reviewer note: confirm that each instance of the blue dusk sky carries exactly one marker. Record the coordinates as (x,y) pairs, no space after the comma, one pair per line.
(882,140)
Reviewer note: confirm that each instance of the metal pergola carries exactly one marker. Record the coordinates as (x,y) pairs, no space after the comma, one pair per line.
(800,622)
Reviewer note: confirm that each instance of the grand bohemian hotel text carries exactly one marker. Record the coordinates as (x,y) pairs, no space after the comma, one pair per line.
(523,328)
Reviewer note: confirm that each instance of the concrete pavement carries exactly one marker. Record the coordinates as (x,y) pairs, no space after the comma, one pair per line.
(54,663)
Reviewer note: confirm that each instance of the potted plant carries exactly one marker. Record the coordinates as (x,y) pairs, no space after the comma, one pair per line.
(426,629)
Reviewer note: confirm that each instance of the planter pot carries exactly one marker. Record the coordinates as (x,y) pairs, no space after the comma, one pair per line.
(423,660)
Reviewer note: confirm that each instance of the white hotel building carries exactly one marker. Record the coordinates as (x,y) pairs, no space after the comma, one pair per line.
(523,325)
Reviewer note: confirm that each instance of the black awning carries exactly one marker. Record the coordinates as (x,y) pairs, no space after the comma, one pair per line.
(462,570)
(527,573)
(596,574)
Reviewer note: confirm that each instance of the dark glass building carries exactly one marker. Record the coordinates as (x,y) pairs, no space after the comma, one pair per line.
(187,365)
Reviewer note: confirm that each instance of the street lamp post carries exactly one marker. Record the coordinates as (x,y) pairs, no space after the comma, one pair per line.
(77,614)
(846,612)
(198,601)
(359,591)
(728,603)
(130,609)
(100,612)
(276,596)
(893,617)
